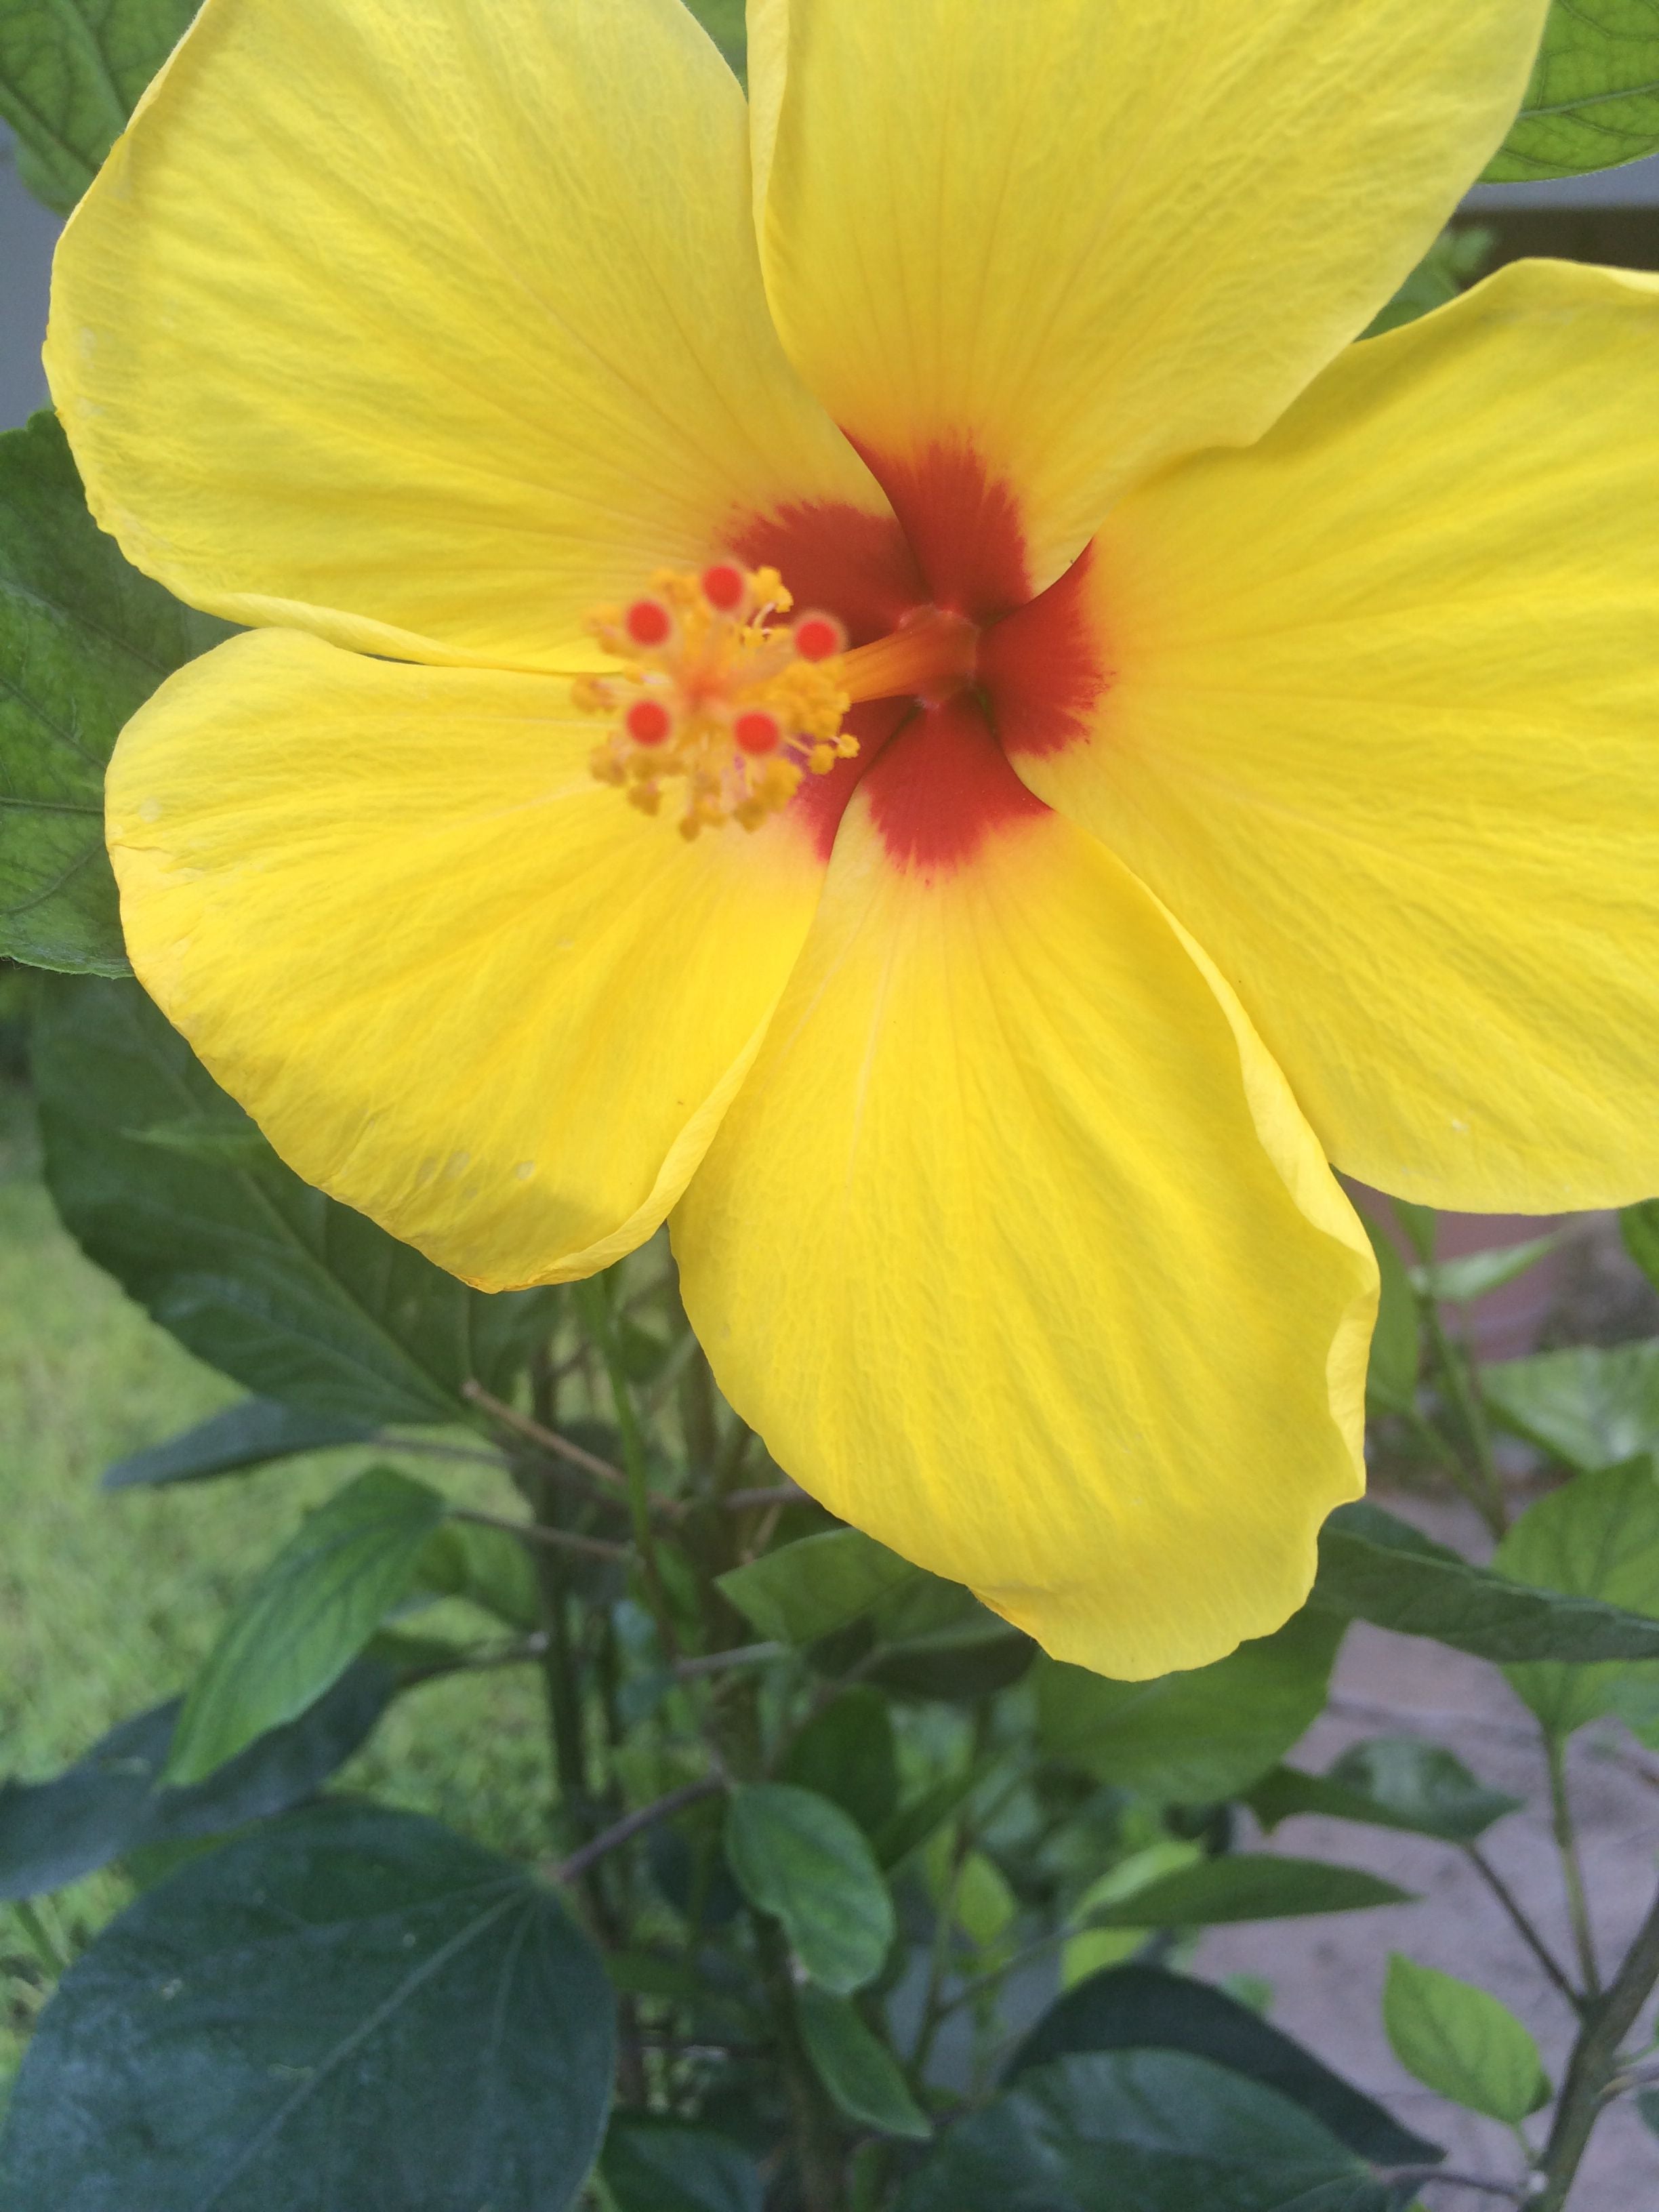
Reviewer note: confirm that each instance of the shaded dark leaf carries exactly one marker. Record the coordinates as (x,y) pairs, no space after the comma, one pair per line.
(1248,1885)
(350,2007)
(1144,2009)
(657,2165)
(243,1437)
(1393,1781)
(847,1753)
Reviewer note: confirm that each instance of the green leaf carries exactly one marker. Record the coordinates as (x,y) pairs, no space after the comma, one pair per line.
(1391,1378)
(250,1435)
(810,1589)
(857,2068)
(1461,2042)
(801,1859)
(490,1567)
(1593,103)
(1375,1567)
(1591,1406)
(723,20)
(307,1617)
(71,74)
(1392,1782)
(84,640)
(1197,1736)
(937,1641)
(917,1823)
(297,1298)
(1249,1886)
(1139,2008)
(1597,1538)
(1638,1226)
(1475,1274)
(847,1753)
(350,2007)
(658,2166)
(1157,2131)
(110,1803)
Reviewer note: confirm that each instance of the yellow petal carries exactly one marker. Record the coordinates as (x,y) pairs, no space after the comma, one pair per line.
(425,325)
(1075,238)
(459,984)
(1383,732)
(1014,1247)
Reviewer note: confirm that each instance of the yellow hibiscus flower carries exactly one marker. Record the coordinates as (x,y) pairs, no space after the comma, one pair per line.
(1253,732)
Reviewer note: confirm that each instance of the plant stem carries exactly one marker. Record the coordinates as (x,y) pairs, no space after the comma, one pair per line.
(549,1440)
(1572,1873)
(717,1662)
(595,1309)
(660,1808)
(1525,1927)
(1595,2063)
(1453,1365)
(536,1532)
(819,2160)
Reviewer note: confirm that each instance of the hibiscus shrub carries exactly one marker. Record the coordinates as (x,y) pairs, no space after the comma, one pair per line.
(853,1899)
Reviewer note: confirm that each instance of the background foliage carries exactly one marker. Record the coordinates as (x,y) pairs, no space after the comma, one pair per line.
(770,1870)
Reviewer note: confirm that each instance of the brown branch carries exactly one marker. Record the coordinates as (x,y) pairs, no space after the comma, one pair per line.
(534,1532)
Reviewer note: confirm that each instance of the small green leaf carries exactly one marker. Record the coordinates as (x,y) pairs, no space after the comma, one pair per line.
(490,1567)
(1199,1735)
(1474,1274)
(1638,1226)
(349,2006)
(653,2165)
(108,1805)
(1453,261)
(810,1589)
(856,2067)
(1141,2008)
(801,1859)
(1249,1886)
(846,1753)
(84,640)
(1392,1782)
(1461,2042)
(243,1437)
(1592,1405)
(71,74)
(1159,2131)
(1597,1538)
(307,1617)
(299,1298)
(1374,1566)
(1391,1378)
(1593,103)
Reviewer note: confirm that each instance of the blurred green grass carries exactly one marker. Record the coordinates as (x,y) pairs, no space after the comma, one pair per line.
(108,1602)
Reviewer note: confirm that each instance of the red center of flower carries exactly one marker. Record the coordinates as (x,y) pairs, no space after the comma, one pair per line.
(954,667)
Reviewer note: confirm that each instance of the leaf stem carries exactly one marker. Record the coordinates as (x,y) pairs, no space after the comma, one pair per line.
(1525,1926)
(1424,2177)
(1572,1871)
(538,1532)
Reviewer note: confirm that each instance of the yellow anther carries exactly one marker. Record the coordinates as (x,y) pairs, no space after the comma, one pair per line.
(712,691)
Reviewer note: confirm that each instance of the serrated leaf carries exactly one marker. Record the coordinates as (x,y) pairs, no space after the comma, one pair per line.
(1590,1405)
(111,1802)
(1157,2130)
(1196,1736)
(811,1589)
(307,1617)
(71,74)
(800,1859)
(1592,101)
(243,1437)
(295,1297)
(1373,1566)
(1475,1274)
(857,2068)
(1392,1782)
(653,2165)
(1598,1538)
(84,640)
(348,2007)
(1249,1886)
(1461,2042)
(1145,2007)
